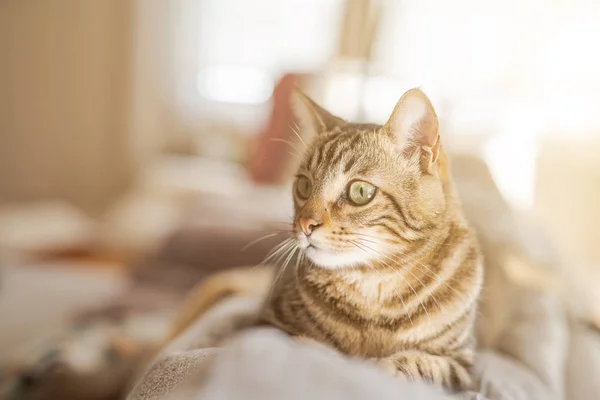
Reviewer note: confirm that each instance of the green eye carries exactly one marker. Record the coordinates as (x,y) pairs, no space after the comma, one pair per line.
(303,187)
(360,193)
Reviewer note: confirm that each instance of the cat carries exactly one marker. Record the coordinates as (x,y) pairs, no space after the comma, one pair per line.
(388,269)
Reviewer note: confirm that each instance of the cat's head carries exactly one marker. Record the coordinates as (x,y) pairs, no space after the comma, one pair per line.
(366,192)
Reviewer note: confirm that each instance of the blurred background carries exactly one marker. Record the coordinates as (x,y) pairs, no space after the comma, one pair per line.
(142,142)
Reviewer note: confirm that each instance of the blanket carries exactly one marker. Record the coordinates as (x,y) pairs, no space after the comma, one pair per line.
(265,364)
(531,344)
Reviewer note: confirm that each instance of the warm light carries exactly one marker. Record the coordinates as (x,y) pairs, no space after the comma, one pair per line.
(237,85)
(512,161)
(342,94)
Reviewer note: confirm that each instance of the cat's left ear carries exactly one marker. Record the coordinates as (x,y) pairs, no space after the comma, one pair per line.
(313,119)
(414,121)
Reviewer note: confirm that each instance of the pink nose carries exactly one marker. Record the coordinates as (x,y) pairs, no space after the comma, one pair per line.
(308,225)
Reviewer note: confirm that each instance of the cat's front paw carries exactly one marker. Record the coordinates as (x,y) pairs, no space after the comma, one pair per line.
(389,366)
(307,340)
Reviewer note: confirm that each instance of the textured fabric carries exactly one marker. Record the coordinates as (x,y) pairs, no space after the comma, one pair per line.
(528,364)
(169,371)
(266,365)
(503,378)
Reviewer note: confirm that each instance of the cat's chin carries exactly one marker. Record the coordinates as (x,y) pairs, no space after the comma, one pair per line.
(332,260)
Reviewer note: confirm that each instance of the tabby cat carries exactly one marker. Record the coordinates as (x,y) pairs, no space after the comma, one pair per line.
(387,268)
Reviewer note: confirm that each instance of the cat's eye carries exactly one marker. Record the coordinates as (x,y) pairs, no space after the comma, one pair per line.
(360,192)
(303,187)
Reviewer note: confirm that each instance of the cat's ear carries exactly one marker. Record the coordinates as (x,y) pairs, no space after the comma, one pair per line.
(414,121)
(313,119)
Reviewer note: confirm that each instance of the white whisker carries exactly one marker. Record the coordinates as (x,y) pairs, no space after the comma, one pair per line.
(284,253)
(439,278)
(277,249)
(396,291)
(252,243)
(392,260)
(292,144)
(405,281)
(297,133)
(281,269)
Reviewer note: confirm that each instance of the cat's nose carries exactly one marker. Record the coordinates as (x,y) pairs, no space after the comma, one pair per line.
(308,225)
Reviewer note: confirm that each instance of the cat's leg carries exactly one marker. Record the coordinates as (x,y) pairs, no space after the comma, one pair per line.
(451,372)
(307,340)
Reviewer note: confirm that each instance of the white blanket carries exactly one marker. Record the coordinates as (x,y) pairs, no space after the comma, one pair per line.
(265,364)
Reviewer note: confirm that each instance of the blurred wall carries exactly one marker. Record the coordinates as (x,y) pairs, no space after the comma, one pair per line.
(567,196)
(64,100)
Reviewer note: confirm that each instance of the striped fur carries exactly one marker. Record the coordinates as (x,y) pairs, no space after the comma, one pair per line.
(395,280)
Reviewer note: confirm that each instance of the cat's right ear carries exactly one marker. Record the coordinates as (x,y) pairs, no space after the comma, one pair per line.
(313,119)
(414,121)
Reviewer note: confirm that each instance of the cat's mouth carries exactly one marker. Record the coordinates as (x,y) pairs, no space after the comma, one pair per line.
(308,244)
(311,247)
(326,258)
(320,254)
(312,250)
